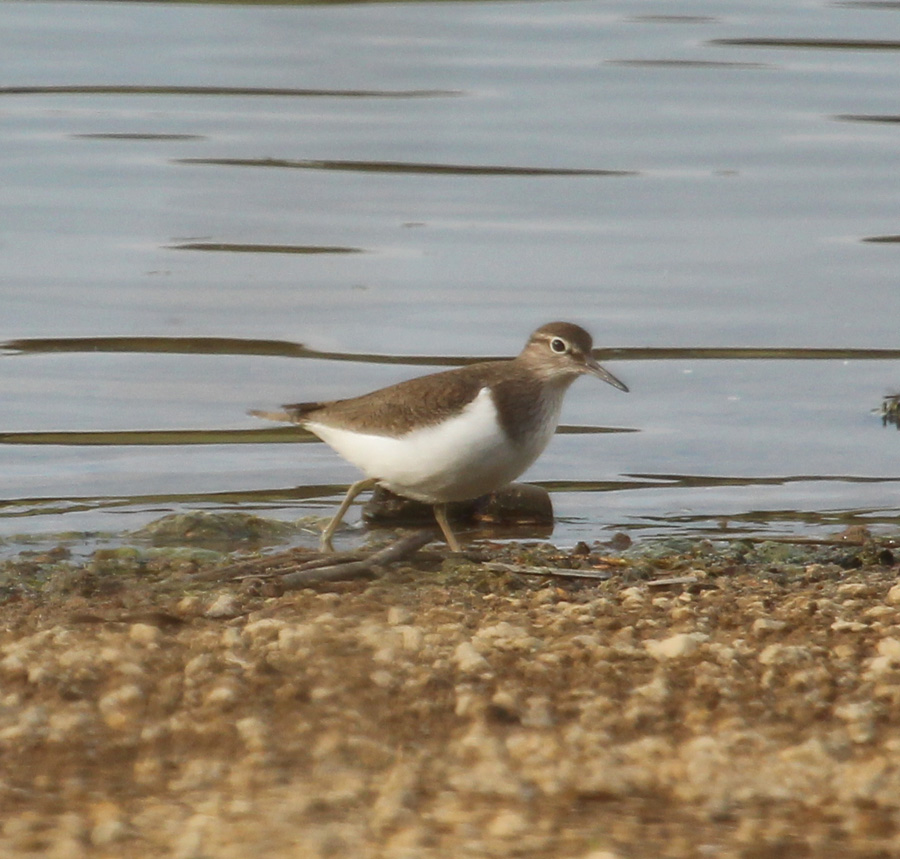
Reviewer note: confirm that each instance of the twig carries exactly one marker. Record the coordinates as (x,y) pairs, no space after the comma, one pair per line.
(672,580)
(560,572)
(396,551)
(270,566)
(803,541)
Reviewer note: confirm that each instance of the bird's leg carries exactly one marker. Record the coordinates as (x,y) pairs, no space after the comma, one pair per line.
(352,492)
(440,513)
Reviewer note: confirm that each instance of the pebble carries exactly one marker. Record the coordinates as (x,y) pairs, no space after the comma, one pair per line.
(69,724)
(675,646)
(223,607)
(633,595)
(144,633)
(507,824)
(411,637)
(468,659)
(190,843)
(784,654)
(109,826)
(889,648)
(254,732)
(121,707)
(398,615)
(505,636)
(264,629)
(768,624)
(222,696)
(849,626)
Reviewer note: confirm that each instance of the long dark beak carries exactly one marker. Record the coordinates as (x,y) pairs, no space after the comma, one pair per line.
(594,368)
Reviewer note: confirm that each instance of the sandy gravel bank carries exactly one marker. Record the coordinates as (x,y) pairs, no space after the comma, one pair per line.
(445,710)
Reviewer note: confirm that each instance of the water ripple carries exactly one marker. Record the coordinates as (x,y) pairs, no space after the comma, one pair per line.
(405,167)
(139,89)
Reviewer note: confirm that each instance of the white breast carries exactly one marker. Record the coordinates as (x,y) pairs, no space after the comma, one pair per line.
(462,458)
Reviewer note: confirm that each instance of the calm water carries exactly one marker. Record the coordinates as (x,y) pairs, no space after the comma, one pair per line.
(436,180)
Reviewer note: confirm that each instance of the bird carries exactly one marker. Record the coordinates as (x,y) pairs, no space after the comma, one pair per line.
(453,435)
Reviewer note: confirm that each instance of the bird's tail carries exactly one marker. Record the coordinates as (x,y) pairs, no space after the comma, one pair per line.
(295,413)
(270,416)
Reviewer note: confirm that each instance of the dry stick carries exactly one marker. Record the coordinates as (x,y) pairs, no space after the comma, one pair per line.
(802,541)
(275,565)
(597,575)
(354,569)
(672,580)
(560,572)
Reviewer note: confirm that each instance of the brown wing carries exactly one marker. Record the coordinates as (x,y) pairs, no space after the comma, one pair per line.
(422,401)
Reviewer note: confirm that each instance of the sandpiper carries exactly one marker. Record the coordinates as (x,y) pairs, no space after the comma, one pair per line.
(458,434)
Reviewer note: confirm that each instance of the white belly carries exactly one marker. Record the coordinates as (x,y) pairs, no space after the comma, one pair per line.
(462,458)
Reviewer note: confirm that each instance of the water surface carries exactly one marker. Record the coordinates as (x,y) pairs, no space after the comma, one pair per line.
(222,207)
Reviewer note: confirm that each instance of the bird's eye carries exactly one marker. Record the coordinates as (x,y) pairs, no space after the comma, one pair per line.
(558,345)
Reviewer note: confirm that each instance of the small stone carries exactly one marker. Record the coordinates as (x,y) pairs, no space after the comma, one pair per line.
(15,665)
(67,847)
(893,595)
(855,711)
(30,725)
(468,703)
(507,824)
(468,659)
(890,648)
(619,542)
(231,637)
(853,590)
(506,636)
(880,612)
(768,624)
(265,629)
(879,665)
(382,679)
(784,654)
(632,595)
(143,633)
(68,725)
(195,774)
(296,638)
(859,718)
(675,646)
(223,607)
(108,831)
(188,605)
(119,708)
(109,826)
(254,733)
(888,657)
(398,615)
(192,838)
(411,637)
(222,696)
(848,626)
(198,666)
(505,700)
(72,824)
(656,691)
